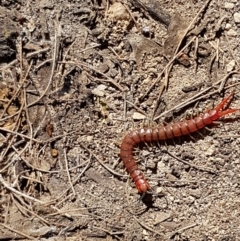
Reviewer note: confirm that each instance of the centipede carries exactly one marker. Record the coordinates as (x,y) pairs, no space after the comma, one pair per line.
(164,132)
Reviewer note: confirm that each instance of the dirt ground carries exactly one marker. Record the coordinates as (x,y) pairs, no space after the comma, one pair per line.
(76,77)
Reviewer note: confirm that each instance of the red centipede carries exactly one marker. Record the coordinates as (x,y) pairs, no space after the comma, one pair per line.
(163,133)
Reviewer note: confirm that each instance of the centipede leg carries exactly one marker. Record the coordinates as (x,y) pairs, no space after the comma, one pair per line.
(208,129)
(191,136)
(146,195)
(200,134)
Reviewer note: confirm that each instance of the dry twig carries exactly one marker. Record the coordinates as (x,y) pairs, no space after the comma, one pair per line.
(8,186)
(16,231)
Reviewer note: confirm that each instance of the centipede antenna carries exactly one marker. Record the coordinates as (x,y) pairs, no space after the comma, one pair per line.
(195,109)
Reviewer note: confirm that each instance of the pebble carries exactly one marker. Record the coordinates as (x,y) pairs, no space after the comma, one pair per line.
(117,11)
(228,26)
(230,66)
(159,190)
(145,232)
(228,5)
(160,217)
(89,138)
(138,116)
(232,33)
(99,91)
(209,152)
(236,17)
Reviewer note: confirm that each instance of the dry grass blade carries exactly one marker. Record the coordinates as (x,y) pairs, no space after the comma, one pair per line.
(88,164)
(56,46)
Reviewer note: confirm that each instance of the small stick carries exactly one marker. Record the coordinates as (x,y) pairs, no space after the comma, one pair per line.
(56,45)
(166,67)
(149,229)
(16,231)
(192,165)
(108,79)
(137,108)
(67,170)
(105,166)
(183,229)
(19,134)
(7,186)
(194,98)
(74,181)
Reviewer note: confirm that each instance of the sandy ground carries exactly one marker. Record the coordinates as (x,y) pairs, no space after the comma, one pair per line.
(76,77)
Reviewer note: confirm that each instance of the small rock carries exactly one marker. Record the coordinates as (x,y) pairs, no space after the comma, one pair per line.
(209,152)
(161,217)
(236,17)
(169,225)
(190,200)
(102,87)
(159,190)
(232,33)
(97,31)
(195,193)
(150,164)
(113,73)
(54,152)
(138,116)
(103,68)
(228,26)
(118,12)
(147,81)
(230,66)
(228,5)
(43,231)
(145,232)
(99,91)
(161,165)
(89,138)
